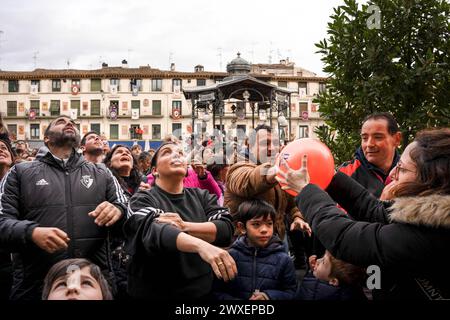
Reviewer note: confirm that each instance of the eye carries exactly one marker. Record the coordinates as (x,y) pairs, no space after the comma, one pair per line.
(60,284)
(88,283)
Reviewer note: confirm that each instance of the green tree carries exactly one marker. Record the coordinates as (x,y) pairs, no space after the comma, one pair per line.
(401,67)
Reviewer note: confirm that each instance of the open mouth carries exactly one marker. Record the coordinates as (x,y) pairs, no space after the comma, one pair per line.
(176,162)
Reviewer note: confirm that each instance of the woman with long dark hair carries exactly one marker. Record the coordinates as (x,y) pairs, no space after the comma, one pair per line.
(408,238)
(122,164)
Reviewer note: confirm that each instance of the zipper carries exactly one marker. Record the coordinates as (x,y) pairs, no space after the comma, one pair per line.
(69,214)
(254,271)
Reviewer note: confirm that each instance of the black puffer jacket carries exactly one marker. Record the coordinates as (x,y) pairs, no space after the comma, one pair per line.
(47,193)
(408,239)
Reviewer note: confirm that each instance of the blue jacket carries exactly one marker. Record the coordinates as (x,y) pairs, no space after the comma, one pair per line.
(270,270)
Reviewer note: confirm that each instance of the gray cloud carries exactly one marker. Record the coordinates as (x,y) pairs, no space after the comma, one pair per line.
(146,32)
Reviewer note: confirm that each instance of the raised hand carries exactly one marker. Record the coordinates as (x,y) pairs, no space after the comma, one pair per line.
(300,224)
(294,179)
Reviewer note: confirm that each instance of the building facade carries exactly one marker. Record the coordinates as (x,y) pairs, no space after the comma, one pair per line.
(137,104)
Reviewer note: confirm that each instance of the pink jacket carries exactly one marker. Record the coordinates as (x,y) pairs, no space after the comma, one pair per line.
(192,181)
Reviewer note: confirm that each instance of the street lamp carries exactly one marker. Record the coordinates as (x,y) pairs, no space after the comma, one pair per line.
(282,122)
(206,116)
(246,95)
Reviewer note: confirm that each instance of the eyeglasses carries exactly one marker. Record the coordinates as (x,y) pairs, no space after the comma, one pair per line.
(399,168)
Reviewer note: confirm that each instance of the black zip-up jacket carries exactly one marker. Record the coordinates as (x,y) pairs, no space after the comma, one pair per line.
(47,193)
(368,175)
(408,238)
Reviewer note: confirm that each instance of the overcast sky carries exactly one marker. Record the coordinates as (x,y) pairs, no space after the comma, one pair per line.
(155,33)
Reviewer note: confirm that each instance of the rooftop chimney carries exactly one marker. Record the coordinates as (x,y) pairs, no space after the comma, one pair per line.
(199,68)
(124,63)
(104,65)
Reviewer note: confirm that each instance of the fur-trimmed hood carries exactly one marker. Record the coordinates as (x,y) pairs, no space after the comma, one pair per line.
(431,211)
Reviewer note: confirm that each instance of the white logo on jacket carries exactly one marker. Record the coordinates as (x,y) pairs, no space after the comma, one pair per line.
(42,182)
(87,181)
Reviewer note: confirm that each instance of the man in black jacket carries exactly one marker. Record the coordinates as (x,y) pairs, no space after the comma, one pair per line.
(57,207)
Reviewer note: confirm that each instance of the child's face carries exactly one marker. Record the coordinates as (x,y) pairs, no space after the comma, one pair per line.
(77,285)
(259,231)
(321,267)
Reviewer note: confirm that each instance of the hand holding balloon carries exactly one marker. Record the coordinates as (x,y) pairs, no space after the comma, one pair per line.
(291,179)
(320,164)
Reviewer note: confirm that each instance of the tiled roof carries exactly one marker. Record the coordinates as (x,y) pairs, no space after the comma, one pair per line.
(141,72)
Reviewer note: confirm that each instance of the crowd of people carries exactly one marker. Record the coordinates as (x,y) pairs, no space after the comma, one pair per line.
(81,220)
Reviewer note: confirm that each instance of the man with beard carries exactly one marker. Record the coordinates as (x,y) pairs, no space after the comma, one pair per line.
(92,147)
(57,207)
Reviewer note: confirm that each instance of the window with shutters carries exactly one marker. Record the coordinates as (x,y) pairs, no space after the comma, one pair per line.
(56,85)
(95,127)
(55,108)
(34,105)
(156,131)
(95,107)
(75,104)
(34,131)
(11,108)
(156,84)
(156,107)
(96,85)
(113,131)
(13,86)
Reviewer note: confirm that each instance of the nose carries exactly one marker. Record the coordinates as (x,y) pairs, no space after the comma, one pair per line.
(264,229)
(73,288)
(393,173)
(370,141)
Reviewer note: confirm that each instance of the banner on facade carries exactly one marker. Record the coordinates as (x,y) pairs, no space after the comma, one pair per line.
(134,114)
(113,112)
(135,90)
(73,114)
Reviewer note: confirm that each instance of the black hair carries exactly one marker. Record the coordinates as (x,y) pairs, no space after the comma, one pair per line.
(431,155)
(83,140)
(144,155)
(155,156)
(254,208)
(61,268)
(135,178)
(391,122)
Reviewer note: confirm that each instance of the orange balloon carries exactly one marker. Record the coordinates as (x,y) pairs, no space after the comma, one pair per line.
(320,161)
